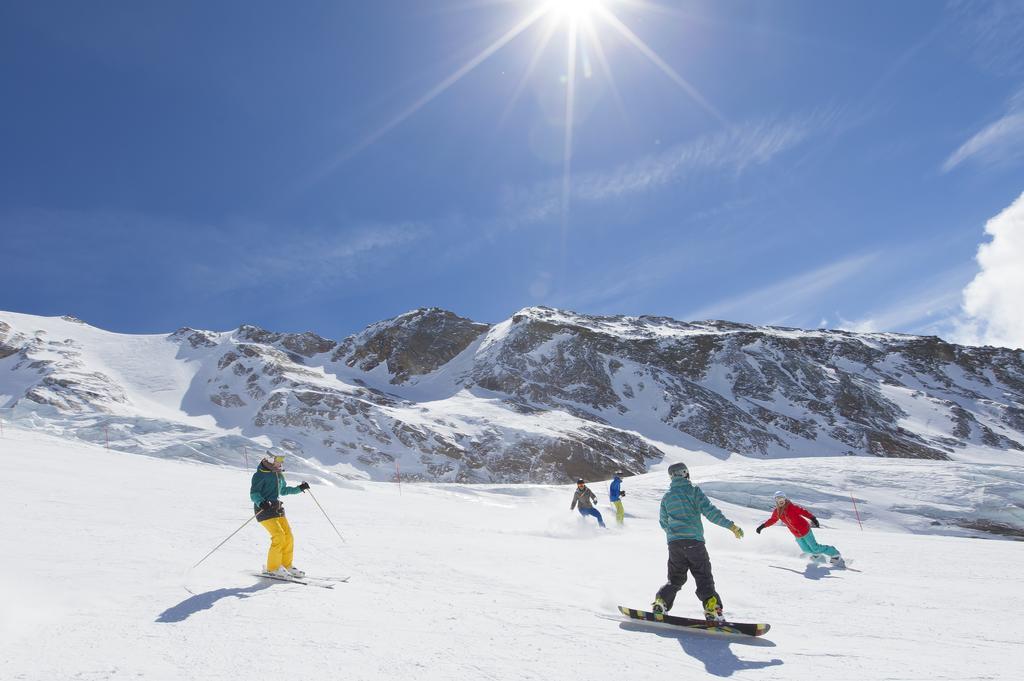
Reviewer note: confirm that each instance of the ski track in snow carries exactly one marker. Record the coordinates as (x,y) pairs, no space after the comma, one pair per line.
(481,582)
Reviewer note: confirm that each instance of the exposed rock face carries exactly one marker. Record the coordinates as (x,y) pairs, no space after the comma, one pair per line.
(413,344)
(546,395)
(766,391)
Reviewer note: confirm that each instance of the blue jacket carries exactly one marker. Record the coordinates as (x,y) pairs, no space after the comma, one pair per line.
(681,508)
(613,491)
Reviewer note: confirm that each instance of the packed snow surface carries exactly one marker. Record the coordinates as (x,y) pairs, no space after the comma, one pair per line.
(489,582)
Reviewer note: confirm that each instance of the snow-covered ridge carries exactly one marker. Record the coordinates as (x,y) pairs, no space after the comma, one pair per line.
(544,395)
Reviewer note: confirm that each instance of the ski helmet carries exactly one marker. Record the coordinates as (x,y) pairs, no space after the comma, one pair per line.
(580,481)
(619,474)
(779,495)
(679,470)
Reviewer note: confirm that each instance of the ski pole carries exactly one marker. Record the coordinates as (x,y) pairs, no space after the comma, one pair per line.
(857,512)
(226,540)
(326,516)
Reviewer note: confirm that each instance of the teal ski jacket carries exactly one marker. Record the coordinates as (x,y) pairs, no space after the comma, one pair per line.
(269,485)
(681,508)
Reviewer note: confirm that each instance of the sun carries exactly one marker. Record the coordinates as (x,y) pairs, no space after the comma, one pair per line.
(574,10)
(585,24)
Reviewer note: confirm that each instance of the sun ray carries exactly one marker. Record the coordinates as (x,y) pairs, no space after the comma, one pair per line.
(602,60)
(453,78)
(542,44)
(570,110)
(651,55)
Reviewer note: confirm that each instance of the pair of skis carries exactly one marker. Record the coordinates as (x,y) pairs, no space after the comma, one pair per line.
(306,580)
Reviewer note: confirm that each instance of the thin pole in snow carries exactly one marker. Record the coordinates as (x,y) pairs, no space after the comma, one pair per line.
(1,427)
(327,516)
(245,453)
(106,437)
(857,512)
(225,541)
(398,476)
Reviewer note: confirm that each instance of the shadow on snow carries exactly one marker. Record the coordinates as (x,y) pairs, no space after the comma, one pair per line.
(205,601)
(712,649)
(812,571)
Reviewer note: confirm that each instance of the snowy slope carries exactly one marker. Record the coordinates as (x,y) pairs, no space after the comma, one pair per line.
(505,583)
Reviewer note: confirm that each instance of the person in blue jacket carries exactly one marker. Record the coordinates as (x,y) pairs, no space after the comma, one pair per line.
(615,494)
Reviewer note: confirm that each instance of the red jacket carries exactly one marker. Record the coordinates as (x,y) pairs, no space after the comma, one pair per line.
(792,516)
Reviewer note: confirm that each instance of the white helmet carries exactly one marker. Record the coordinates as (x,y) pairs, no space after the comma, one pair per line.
(679,470)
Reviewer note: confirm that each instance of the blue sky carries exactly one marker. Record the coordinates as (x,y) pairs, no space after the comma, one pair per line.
(325,165)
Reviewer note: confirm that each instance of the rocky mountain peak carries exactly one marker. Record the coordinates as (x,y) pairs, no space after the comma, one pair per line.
(412,344)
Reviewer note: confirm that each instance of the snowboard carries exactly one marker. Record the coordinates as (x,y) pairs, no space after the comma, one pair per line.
(822,559)
(689,623)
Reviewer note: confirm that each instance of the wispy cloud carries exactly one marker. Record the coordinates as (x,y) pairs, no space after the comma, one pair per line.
(229,256)
(775,303)
(992,301)
(925,309)
(998,143)
(993,32)
(313,260)
(729,152)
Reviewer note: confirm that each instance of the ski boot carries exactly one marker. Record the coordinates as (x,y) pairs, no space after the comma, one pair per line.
(279,573)
(658,607)
(837,561)
(295,572)
(713,610)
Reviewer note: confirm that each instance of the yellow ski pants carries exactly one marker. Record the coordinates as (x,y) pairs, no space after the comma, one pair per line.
(282,543)
(620,513)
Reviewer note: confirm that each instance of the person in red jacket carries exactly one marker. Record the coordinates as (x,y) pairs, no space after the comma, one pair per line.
(799,521)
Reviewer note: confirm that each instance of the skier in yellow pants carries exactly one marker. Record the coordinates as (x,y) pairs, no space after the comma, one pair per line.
(268,485)
(615,493)
(282,544)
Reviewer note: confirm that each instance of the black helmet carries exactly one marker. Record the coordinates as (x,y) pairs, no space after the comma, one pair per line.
(679,470)
(580,481)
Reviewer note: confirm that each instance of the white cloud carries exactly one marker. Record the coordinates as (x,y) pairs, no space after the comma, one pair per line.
(909,315)
(928,307)
(312,260)
(993,33)
(998,143)
(994,300)
(782,300)
(731,151)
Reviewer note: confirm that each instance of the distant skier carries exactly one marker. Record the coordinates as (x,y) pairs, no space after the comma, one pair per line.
(268,485)
(800,521)
(681,509)
(615,493)
(586,500)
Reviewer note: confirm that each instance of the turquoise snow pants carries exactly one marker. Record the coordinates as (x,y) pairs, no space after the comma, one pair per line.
(808,544)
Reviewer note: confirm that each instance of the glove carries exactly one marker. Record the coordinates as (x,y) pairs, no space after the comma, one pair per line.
(267,505)
(814,522)
(735,529)
(759,528)
(622,494)
(304,486)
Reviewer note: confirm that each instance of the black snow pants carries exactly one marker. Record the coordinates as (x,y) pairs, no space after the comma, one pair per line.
(688,555)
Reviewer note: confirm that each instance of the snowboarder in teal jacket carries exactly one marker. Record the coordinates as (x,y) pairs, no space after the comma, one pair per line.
(681,509)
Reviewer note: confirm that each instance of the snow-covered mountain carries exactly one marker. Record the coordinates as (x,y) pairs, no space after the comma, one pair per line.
(542,396)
